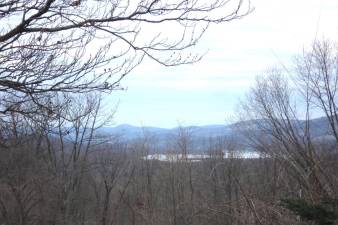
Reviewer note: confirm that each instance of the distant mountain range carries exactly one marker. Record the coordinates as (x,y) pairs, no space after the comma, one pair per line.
(199,135)
(318,126)
(131,132)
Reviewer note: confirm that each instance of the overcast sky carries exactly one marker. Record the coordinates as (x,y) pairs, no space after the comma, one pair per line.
(208,91)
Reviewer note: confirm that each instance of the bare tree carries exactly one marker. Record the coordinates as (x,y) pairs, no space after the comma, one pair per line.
(278,127)
(318,80)
(111,177)
(83,45)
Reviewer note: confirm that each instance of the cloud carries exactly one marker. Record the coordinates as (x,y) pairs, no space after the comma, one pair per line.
(237,51)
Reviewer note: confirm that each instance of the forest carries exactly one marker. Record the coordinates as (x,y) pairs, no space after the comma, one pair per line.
(58,168)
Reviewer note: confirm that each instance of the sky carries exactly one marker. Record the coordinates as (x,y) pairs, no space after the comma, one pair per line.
(208,92)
